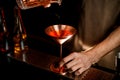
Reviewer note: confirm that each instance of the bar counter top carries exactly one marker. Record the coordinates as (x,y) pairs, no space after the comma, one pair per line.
(34,65)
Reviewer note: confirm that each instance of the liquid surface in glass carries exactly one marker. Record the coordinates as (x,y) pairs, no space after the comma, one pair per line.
(61,33)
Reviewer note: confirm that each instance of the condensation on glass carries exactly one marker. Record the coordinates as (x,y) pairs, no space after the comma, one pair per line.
(27,4)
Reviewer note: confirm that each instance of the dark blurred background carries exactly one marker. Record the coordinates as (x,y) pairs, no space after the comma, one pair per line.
(36,19)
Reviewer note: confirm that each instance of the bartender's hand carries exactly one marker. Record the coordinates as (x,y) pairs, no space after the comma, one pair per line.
(77,62)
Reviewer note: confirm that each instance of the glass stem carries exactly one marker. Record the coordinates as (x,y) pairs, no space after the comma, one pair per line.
(60,51)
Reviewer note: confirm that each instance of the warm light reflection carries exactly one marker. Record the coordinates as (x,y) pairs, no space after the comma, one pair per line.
(60,33)
(27,4)
(19,44)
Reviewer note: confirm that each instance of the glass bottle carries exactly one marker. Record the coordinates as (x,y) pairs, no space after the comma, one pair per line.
(27,4)
(4,46)
(118,67)
(19,34)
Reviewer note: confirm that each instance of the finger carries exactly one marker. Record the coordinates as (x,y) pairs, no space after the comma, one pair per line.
(76,67)
(68,58)
(80,71)
(73,63)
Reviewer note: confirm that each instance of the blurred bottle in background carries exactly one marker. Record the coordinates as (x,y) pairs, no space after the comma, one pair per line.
(118,67)
(19,34)
(5,48)
(4,42)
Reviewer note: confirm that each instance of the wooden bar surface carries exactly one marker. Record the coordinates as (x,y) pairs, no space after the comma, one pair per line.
(43,60)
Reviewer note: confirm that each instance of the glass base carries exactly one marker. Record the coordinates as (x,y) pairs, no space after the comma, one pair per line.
(55,68)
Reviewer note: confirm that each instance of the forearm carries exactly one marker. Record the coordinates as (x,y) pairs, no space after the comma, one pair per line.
(111,42)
